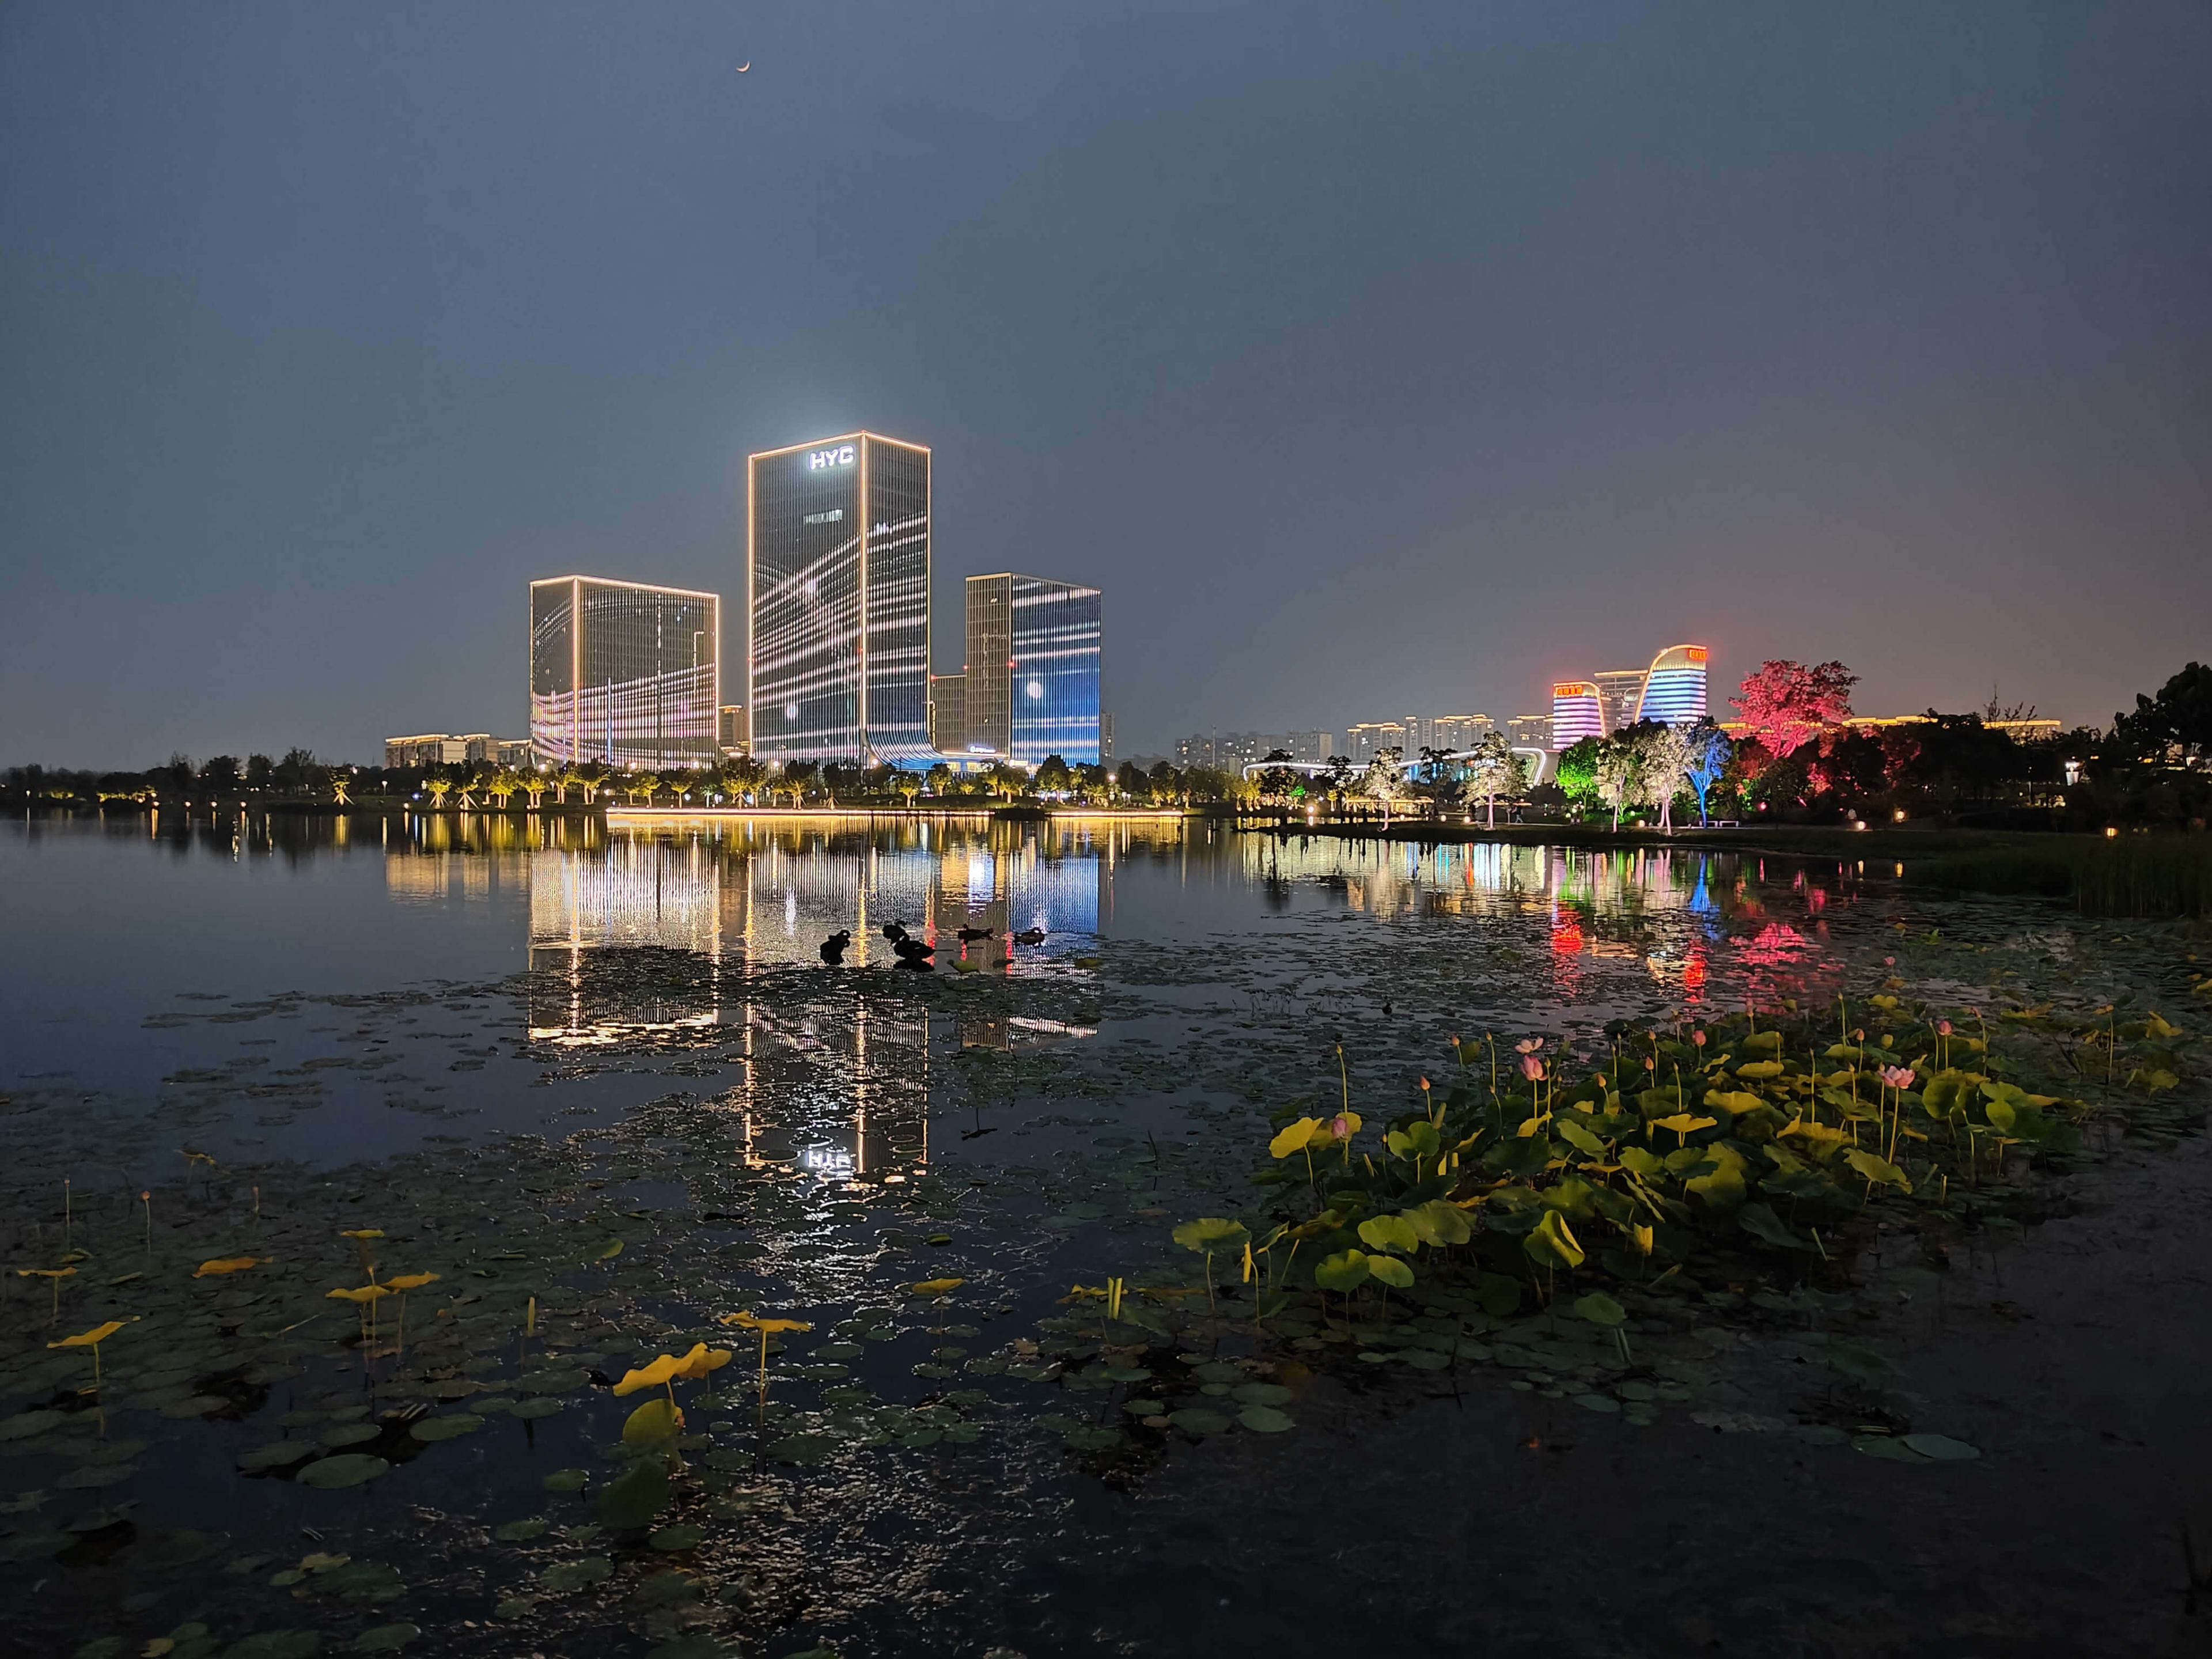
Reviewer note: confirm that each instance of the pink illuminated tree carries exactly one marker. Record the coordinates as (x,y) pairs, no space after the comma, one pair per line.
(1786,705)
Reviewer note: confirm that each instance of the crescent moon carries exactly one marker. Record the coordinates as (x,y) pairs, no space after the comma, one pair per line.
(743,67)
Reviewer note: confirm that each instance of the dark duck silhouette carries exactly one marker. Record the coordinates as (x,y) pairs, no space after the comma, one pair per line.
(913,963)
(913,950)
(1030,936)
(969,935)
(893,931)
(833,948)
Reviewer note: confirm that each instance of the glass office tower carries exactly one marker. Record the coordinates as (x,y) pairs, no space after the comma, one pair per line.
(1033,668)
(837,590)
(623,673)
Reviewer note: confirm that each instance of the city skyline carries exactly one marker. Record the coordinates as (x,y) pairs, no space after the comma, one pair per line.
(296,397)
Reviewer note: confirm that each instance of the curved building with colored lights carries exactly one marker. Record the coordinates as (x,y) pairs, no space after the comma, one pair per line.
(1674,686)
(1575,714)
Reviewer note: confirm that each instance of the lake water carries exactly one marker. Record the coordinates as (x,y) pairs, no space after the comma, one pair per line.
(508,1047)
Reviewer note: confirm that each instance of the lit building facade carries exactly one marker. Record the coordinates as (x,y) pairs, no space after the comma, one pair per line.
(623,673)
(1577,713)
(1674,686)
(1454,733)
(1363,742)
(837,589)
(732,733)
(1529,731)
(1032,675)
(948,713)
(1619,692)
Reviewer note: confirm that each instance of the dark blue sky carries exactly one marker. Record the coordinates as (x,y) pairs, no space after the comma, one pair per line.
(1372,358)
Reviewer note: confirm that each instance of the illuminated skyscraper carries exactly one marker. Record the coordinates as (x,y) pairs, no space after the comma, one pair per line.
(623,673)
(838,588)
(1033,669)
(1575,714)
(1674,686)
(1619,691)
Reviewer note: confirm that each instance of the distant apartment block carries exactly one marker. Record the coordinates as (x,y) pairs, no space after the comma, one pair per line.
(443,749)
(623,673)
(1105,739)
(1672,691)
(1529,731)
(1454,732)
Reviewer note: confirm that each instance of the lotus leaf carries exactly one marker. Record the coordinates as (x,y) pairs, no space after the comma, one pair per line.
(447,1427)
(1390,1270)
(1941,1448)
(517,1532)
(652,1423)
(575,1574)
(1265,1420)
(345,1469)
(1440,1223)
(1599,1308)
(653,1375)
(528,1409)
(386,1638)
(678,1538)
(1761,1223)
(1684,1123)
(1552,1242)
(566,1480)
(1295,1138)
(1195,1419)
(1210,1234)
(635,1498)
(1390,1232)
(230,1264)
(1579,1138)
(1343,1272)
(1759,1068)
(929,1287)
(1875,1168)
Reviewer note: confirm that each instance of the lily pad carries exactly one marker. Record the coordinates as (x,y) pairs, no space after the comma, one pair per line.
(517,1532)
(1941,1448)
(346,1469)
(566,1480)
(1262,1394)
(637,1497)
(384,1639)
(575,1574)
(678,1538)
(23,1424)
(1265,1419)
(1193,1419)
(277,1645)
(350,1434)
(277,1454)
(447,1427)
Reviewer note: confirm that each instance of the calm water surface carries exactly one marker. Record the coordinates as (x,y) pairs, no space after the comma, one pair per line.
(387,1001)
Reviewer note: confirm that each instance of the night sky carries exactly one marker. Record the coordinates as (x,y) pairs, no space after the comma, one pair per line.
(1373,359)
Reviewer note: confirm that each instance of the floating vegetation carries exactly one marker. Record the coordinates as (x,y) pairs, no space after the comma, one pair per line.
(487,1373)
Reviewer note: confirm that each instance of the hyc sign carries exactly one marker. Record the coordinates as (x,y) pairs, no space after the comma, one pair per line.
(818,459)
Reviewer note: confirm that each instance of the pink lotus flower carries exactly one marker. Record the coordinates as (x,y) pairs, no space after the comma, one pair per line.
(1889,962)
(1897,1077)
(1529,1045)
(1697,1037)
(1531,1067)
(1340,1126)
(1425,1085)
(1942,1028)
(1649,1064)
